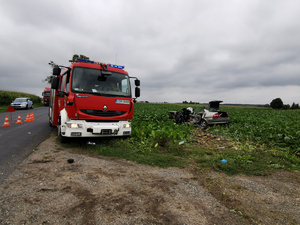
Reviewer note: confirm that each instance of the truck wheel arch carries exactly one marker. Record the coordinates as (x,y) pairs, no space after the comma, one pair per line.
(62,120)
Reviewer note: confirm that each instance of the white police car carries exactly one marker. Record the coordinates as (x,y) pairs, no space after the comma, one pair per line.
(22,103)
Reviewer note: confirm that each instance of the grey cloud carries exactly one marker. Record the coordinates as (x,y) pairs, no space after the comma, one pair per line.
(179,50)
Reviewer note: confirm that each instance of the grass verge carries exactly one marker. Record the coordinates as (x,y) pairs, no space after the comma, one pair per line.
(204,152)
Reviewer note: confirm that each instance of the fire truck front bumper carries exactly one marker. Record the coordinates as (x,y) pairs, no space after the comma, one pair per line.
(81,128)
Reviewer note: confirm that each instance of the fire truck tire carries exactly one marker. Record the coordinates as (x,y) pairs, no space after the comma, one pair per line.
(62,139)
(50,123)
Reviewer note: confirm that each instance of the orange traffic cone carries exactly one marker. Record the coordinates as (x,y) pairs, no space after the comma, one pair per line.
(27,118)
(19,121)
(31,117)
(6,122)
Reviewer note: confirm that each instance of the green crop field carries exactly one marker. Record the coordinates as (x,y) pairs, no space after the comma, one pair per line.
(278,129)
(257,141)
(7,97)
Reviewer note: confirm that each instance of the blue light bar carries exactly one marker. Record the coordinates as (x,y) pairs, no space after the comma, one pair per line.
(116,66)
(84,60)
(98,63)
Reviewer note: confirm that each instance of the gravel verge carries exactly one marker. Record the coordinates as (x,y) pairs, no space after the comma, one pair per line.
(47,189)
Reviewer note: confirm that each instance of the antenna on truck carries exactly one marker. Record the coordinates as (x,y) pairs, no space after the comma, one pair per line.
(51,63)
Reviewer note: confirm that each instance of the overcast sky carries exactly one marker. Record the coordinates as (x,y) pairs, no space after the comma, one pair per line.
(238,51)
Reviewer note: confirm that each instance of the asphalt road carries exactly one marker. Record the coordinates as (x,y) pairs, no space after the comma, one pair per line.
(19,140)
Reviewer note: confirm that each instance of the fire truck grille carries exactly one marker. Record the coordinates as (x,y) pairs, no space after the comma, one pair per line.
(102,113)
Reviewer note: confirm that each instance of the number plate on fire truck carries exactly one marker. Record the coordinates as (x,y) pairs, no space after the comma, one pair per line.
(98,127)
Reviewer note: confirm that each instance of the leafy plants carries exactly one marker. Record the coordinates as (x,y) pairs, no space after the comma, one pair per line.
(152,127)
(256,142)
(272,128)
(6,97)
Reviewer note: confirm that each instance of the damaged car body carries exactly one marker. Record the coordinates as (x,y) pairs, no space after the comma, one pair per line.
(201,118)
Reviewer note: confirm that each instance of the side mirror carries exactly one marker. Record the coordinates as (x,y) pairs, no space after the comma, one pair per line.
(56,71)
(137,82)
(137,92)
(55,83)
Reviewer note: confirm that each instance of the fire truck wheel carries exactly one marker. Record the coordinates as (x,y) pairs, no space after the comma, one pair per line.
(50,123)
(62,139)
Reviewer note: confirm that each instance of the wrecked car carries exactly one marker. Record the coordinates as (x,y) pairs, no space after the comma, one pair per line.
(201,117)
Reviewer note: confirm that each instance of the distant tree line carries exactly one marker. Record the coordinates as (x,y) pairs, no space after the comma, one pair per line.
(190,102)
(277,103)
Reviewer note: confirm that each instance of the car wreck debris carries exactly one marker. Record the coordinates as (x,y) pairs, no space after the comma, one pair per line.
(201,117)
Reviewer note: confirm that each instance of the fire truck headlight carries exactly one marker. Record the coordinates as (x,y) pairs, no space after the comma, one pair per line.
(127,125)
(74,125)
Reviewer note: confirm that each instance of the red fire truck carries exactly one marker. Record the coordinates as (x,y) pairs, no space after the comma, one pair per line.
(46,96)
(91,99)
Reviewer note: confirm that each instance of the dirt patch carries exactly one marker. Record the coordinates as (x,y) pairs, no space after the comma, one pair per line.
(47,189)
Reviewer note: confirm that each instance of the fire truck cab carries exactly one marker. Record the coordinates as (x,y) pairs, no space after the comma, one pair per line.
(91,99)
(46,96)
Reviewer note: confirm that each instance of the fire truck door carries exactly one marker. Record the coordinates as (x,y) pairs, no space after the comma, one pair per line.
(61,94)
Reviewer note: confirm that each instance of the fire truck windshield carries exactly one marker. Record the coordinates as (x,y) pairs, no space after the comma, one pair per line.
(46,94)
(90,81)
